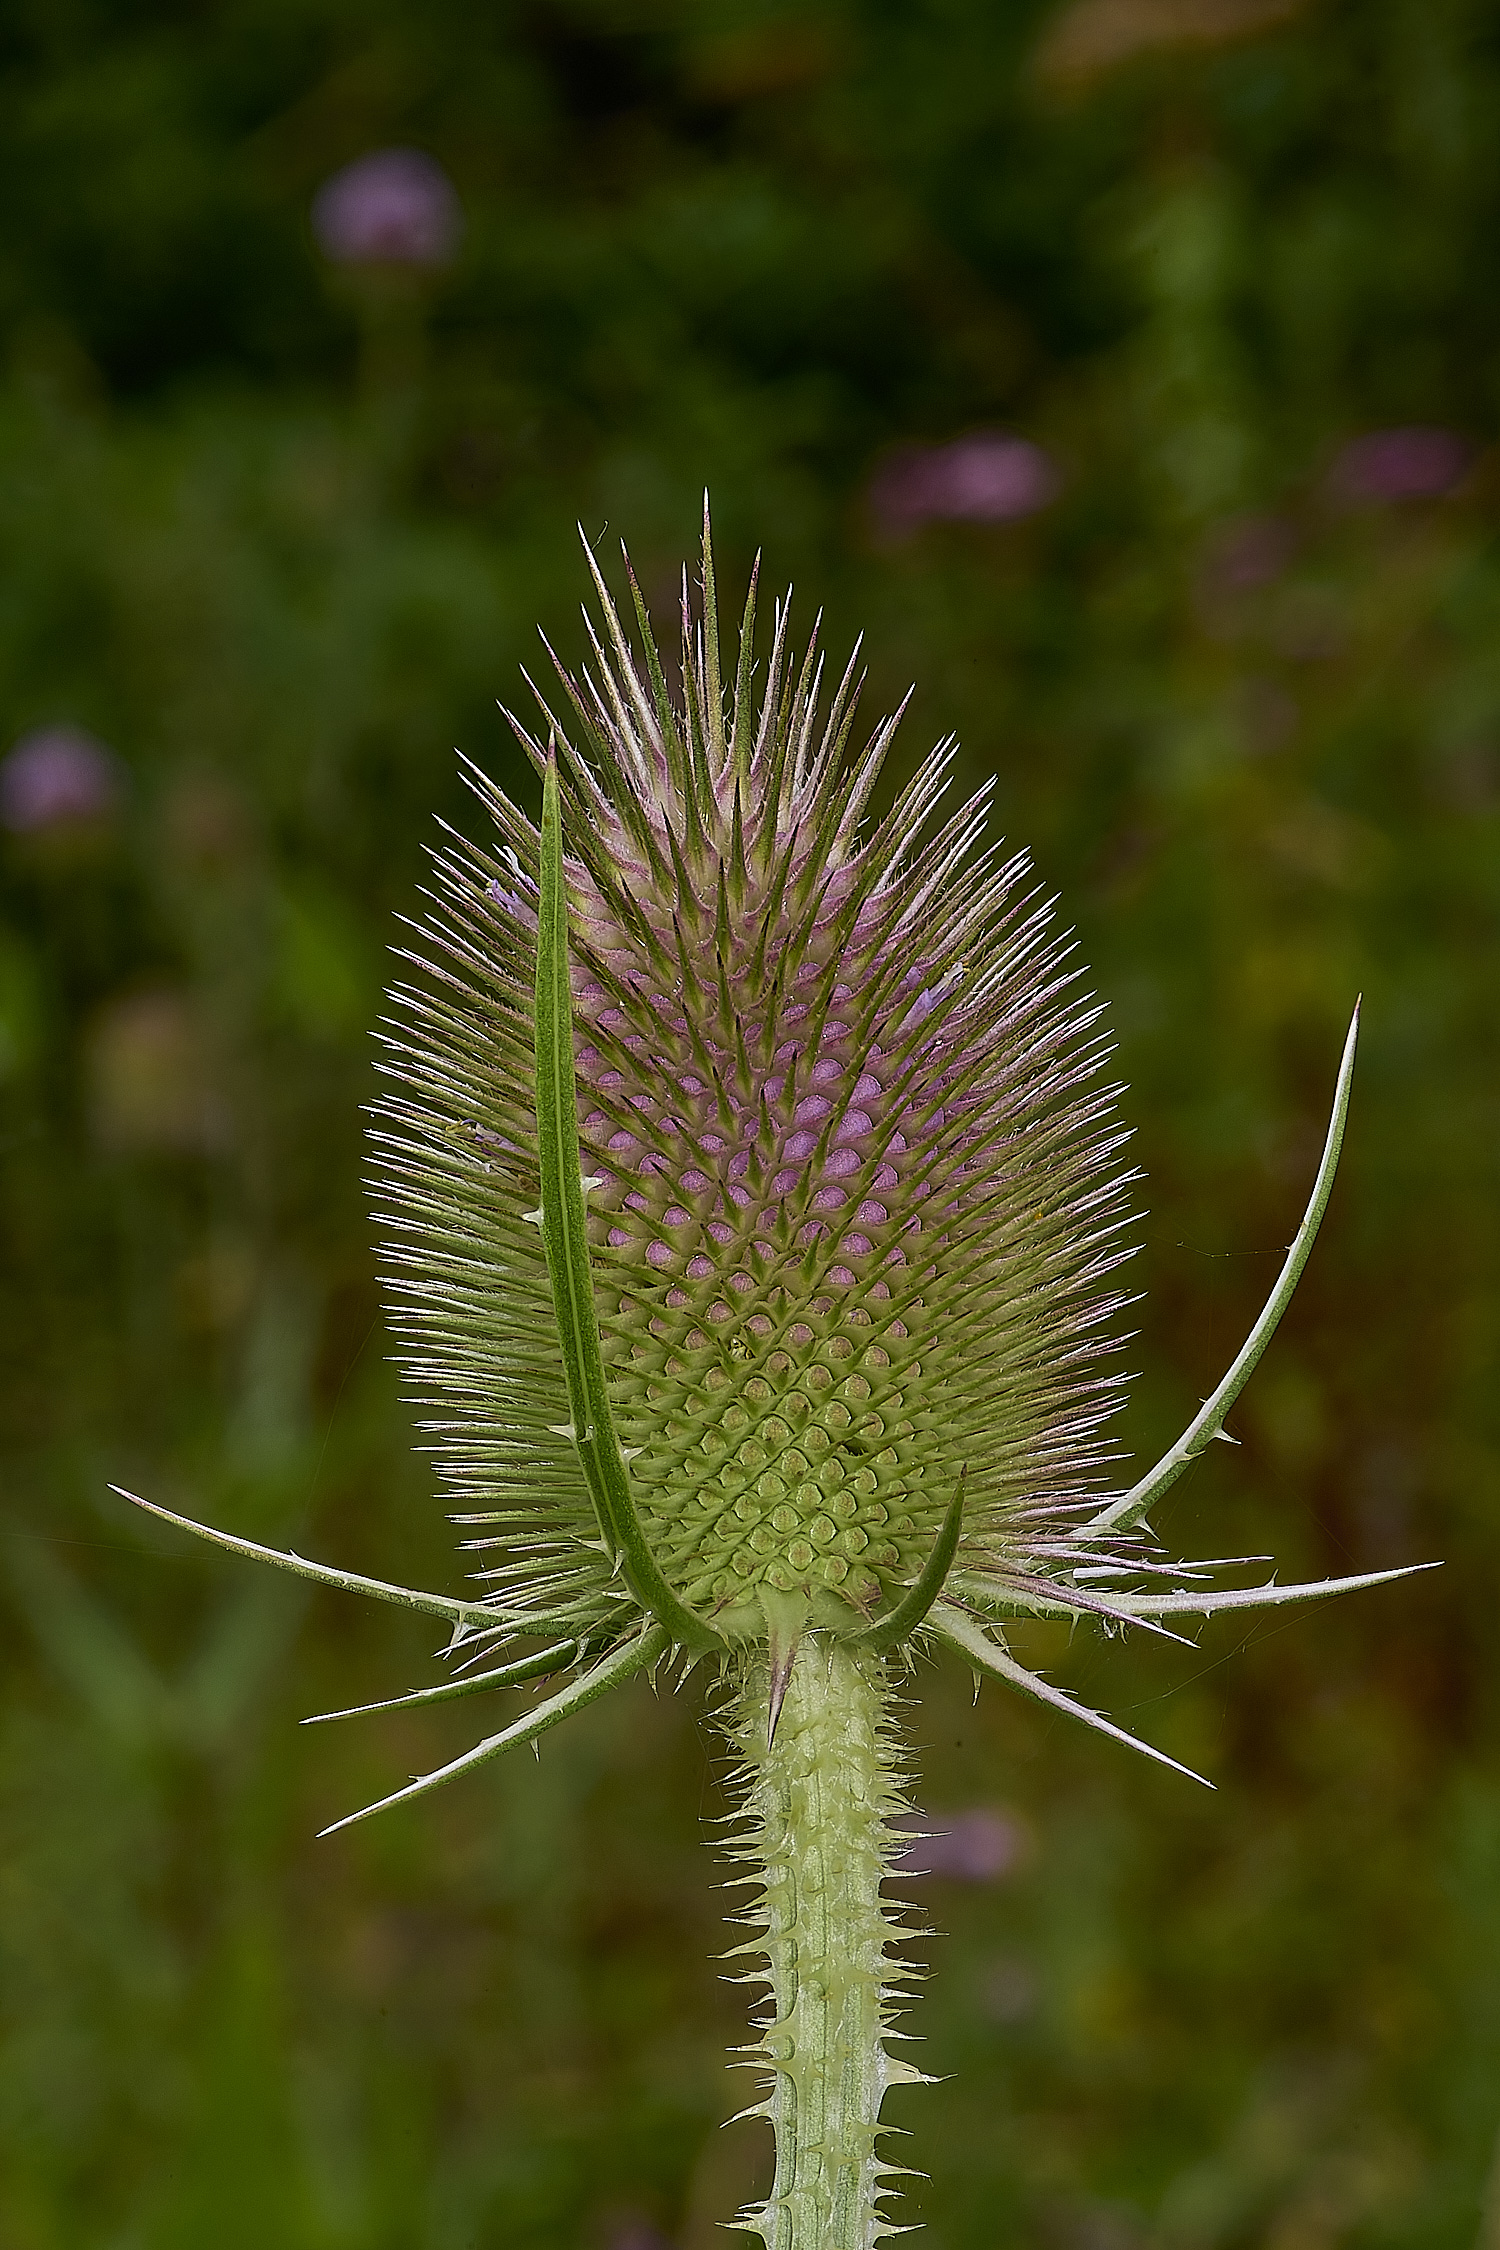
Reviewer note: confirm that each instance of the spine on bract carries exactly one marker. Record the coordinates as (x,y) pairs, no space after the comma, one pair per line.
(821,1792)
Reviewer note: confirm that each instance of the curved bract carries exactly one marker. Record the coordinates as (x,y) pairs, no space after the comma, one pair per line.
(560,1216)
(1207,1424)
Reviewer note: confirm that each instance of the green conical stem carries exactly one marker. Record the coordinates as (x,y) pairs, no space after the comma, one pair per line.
(821,1796)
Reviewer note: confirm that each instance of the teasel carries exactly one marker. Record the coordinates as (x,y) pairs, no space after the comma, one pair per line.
(754,1204)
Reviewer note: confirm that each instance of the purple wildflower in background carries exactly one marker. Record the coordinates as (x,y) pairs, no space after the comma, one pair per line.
(1417,462)
(395,207)
(977,1846)
(57,777)
(988,477)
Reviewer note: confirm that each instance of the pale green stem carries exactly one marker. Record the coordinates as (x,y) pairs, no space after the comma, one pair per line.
(820,1801)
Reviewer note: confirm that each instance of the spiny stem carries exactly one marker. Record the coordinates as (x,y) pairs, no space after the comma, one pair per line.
(821,1797)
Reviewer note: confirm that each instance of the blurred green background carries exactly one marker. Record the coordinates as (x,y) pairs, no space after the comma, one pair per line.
(277,523)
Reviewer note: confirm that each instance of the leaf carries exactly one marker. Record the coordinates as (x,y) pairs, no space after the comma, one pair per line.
(1189,1602)
(1208,1423)
(545,1660)
(986,1655)
(633,1656)
(405,1597)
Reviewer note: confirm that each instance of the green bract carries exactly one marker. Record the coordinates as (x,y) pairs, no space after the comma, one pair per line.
(753,1199)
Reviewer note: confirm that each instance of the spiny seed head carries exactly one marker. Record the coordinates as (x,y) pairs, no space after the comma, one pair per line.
(855,1191)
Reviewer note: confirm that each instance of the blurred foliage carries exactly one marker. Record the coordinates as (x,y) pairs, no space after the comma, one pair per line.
(279,534)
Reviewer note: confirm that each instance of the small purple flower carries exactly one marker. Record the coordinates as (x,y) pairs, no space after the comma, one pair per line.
(977,1846)
(987,477)
(395,207)
(1416,462)
(57,777)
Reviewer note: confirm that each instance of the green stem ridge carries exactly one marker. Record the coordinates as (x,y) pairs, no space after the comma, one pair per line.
(820,1800)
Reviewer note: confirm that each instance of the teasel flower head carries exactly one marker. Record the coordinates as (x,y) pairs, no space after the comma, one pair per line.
(850,1178)
(754,1201)
(853,1191)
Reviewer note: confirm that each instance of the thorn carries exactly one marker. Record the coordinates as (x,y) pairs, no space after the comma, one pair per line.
(781,1679)
(1224,1438)
(591,1180)
(533,1218)
(786,1619)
